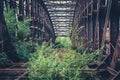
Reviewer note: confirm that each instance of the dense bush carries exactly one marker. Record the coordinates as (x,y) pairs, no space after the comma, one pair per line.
(23,29)
(24,49)
(3,60)
(3,57)
(11,23)
(63,42)
(59,64)
(18,31)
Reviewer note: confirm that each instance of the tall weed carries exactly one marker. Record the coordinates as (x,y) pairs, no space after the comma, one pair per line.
(63,42)
(18,31)
(59,64)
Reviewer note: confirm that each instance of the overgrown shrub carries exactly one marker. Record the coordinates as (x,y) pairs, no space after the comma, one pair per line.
(3,59)
(16,29)
(11,23)
(63,42)
(59,64)
(24,49)
(23,29)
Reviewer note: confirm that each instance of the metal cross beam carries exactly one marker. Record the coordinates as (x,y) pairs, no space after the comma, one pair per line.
(61,13)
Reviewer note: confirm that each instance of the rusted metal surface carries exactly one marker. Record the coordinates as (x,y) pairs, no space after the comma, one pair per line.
(93,70)
(116,53)
(111,71)
(22,76)
(22,73)
(14,72)
(94,22)
(100,19)
(64,11)
(115,77)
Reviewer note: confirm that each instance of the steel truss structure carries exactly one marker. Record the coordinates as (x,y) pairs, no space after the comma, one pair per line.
(61,13)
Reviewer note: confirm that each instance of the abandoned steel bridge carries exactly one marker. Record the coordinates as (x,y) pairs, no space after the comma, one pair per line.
(95,22)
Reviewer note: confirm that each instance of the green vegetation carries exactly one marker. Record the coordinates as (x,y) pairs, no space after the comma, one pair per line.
(57,62)
(18,31)
(24,49)
(49,63)
(3,59)
(63,42)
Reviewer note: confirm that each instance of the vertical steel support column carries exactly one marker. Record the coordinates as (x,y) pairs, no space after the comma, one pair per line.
(32,8)
(27,9)
(1,25)
(21,10)
(115,33)
(97,26)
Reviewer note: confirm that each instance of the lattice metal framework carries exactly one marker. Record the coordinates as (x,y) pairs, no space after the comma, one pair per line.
(61,13)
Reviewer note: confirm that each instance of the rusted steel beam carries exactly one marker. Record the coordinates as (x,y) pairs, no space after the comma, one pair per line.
(21,76)
(21,63)
(106,21)
(93,70)
(59,0)
(71,10)
(116,53)
(69,21)
(112,71)
(82,11)
(21,10)
(18,65)
(13,70)
(61,16)
(61,5)
(1,25)
(115,77)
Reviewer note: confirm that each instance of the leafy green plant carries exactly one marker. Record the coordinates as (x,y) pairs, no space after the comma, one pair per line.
(3,59)
(59,64)
(23,29)
(24,49)
(63,42)
(11,23)
(16,29)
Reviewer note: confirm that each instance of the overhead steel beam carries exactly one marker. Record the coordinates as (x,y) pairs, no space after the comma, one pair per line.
(60,10)
(61,21)
(61,13)
(60,5)
(61,16)
(59,0)
(62,27)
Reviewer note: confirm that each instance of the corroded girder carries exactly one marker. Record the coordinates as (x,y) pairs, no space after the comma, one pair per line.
(97,23)
(61,12)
